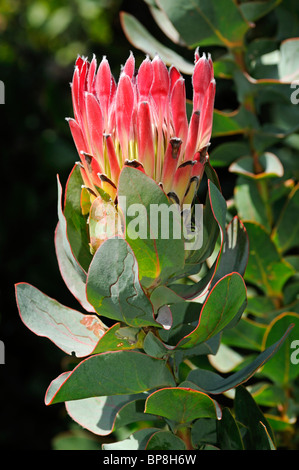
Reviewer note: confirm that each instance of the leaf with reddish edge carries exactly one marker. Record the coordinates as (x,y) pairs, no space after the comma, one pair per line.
(70,330)
(212,383)
(111,373)
(224,305)
(235,251)
(113,286)
(159,255)
(232,257)
(283,369)
(213,224)
(186,405)
(77,231)
(72,273)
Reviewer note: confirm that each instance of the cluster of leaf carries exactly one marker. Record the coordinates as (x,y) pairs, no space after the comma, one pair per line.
(152,359)
(255,50)
(133,369)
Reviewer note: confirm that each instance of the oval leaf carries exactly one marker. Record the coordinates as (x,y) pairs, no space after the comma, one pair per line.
(113,286)
(70,330)
(158,247)
(186,405)
(225,303)
(112,373)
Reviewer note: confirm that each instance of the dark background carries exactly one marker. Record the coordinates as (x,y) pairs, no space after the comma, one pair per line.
(39,45)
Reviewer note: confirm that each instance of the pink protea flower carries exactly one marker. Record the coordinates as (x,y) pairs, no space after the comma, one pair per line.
(142,121)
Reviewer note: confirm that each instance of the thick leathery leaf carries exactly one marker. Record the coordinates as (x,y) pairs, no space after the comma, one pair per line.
(155,234)
(283,368)
(228,433)
(186,405)
(205,22)
(224,304)
(248,413)
(212,383)
(266,268)
(113,286)
(77,231)
(72,331)
(73,274)
(112,373)
(143,40)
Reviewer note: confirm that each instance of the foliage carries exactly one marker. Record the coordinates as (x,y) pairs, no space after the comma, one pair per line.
(255,54)
(160,355)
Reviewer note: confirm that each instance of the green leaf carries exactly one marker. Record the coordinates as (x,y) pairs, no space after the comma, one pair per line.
(235,122)
(70,330)
(204,22)
(111,373)
(267,394)
(203,431)
(247,334)
(212,383)
(214,220)
(265,269)
(286,15)
(286,232)
(224,154)
(77,231)
(153,346)
(260,306)
(158,247)
(99,415)
(165,440)
(138,35)
(263,439)
(113,287)
(185,318)
(214,214)
(249,414)
(235,251)
(225,303)
(133,412)
(255,10)
(280,424)
(270,163)
(283,368)
(249,203)
(228,433)
(164,24)
(73,274)
(186,405)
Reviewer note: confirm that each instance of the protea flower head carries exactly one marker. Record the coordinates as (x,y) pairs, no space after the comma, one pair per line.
(141,121)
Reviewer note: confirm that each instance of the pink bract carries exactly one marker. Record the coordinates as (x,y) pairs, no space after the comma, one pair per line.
(141,121)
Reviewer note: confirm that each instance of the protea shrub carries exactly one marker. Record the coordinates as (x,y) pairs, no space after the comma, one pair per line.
(145,244)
